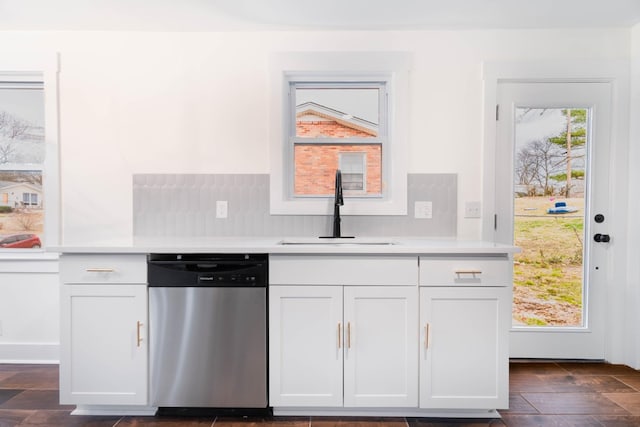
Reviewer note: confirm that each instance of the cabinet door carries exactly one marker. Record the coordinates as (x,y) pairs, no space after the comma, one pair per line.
(305,347)
(381,369)
(464,359)
(103,344)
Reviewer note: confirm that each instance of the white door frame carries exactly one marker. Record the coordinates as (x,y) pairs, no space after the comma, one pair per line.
(621,339)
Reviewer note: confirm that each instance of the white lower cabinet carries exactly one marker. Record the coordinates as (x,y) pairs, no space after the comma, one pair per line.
(351,346)
(347,334)
(305,349)
(104,351)
(103,330)
(464,360)
(380,367)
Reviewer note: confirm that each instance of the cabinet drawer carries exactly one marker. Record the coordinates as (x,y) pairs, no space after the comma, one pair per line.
(100,268)
(342,270)
(466,271)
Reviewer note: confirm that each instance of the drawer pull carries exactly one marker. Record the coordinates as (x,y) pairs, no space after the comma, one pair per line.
(100,270)
(139,338)
(473,273)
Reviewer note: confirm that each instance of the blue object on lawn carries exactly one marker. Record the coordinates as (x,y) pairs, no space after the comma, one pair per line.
(561,208)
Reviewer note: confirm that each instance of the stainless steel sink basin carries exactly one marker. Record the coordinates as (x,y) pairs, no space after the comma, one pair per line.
(337,241)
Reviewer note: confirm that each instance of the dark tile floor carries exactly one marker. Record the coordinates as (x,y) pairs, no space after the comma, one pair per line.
(542,394)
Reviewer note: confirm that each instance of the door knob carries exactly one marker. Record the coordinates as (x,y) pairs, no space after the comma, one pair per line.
(602,238)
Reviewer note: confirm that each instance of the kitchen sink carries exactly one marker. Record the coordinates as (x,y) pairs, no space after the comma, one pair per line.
(342,241)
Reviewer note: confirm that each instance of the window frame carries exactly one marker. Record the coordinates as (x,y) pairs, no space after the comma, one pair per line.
(391,67)
(39,67)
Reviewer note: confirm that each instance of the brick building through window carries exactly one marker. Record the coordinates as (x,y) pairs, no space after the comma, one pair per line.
(316,162)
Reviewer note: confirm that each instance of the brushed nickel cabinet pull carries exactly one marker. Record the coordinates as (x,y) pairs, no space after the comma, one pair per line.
(100,270)
(339,336)
(139,338)
(348,334)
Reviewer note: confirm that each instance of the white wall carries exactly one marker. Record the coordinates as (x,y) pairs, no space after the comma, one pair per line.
(180,102)
(198,103)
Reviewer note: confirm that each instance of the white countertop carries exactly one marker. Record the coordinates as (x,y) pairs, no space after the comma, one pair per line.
(293,245)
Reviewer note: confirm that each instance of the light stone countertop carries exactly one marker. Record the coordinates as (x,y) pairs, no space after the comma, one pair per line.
(291,245)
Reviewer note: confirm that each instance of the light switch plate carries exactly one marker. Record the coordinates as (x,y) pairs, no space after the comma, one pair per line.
(473,210)
(423,210)
(222,209)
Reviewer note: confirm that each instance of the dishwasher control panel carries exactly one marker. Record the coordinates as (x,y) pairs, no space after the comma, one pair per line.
(195,270)
(230,278)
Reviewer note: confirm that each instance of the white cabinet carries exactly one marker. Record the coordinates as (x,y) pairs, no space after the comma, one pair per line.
(103,330)
(464,359)
(330,340)
(305,342)
(380,367)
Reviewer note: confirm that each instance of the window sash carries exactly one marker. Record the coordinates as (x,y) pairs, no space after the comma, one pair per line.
(381,86)
(25,82)
(382,138)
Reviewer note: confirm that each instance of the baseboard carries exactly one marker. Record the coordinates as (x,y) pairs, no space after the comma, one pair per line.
(30,353)
(386,412)
(130,410)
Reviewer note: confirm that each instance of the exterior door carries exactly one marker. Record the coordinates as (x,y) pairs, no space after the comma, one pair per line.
(552,159)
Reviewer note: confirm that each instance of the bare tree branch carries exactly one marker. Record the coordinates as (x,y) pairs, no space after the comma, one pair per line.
(12,129)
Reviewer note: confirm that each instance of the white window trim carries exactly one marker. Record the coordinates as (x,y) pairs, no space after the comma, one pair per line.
(341,65)
(42,67)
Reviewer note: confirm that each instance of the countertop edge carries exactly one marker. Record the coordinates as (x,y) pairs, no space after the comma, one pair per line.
(273,246)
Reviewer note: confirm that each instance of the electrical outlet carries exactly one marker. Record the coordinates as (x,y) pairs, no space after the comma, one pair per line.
(472,210)
(423,210)
(222,209)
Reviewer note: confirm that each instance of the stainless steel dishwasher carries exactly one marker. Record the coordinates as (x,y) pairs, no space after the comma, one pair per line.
(208,330)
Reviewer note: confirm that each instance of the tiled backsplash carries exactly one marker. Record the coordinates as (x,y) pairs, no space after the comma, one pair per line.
(185,205)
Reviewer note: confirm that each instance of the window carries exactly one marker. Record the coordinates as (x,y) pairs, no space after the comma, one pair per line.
(329,120)
(28,152)
(354,173)
(346,111)
(30,199)
(22,152)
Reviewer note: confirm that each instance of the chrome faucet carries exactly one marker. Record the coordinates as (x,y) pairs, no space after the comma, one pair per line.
(338,201)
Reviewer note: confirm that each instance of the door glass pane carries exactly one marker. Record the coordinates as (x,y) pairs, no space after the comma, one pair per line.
(550,163)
